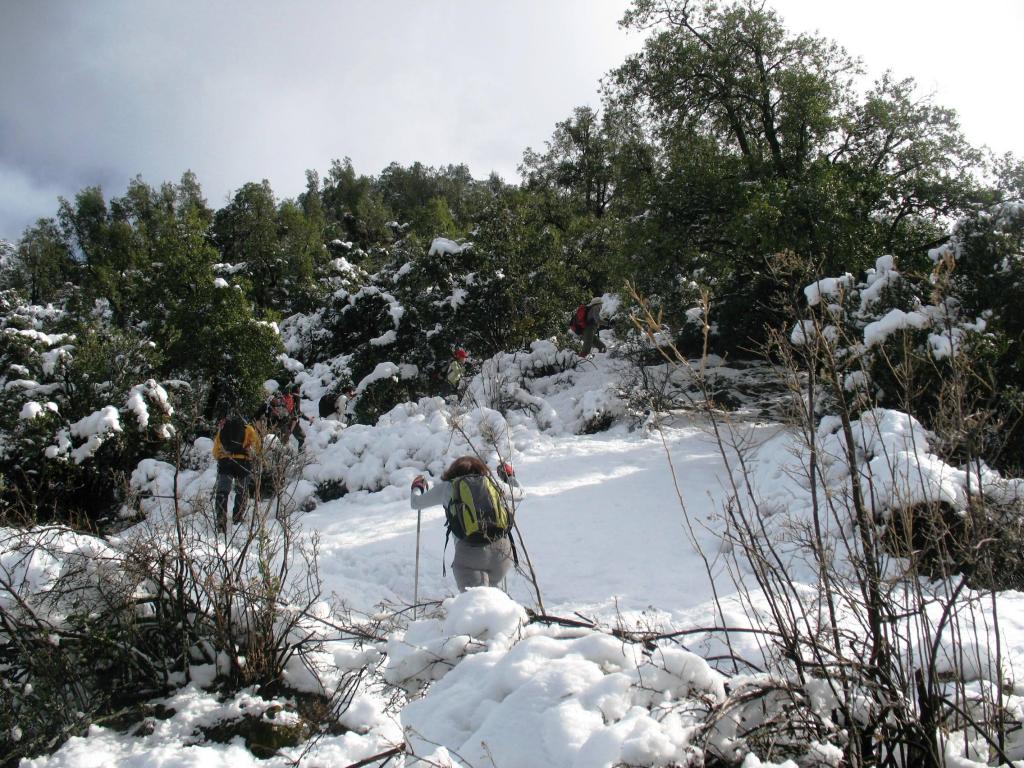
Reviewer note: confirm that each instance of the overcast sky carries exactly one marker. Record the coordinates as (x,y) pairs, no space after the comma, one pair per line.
(97,92)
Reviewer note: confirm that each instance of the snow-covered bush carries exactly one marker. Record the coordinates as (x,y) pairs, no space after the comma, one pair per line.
(678,310)
(902,341)
(652,383)
(58,643)
(901,551)
(90,627)
(410,439)
(982,266)
(422,304)
(511,381)
(78,410)
(890,515)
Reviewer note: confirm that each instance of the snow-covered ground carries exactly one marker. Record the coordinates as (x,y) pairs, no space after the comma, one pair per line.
(601,522)
(621,527)
(606,534)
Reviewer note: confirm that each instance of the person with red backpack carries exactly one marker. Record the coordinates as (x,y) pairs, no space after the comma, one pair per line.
(235,446)
(578,323)
(477,513)
(586,322)
(282,414)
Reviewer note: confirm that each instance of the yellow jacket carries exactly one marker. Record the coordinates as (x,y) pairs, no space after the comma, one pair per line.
(251,443)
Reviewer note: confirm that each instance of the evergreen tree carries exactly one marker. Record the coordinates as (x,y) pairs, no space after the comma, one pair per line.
(247,233)
(105,245)
(763,147)
(41,266)
(579,162)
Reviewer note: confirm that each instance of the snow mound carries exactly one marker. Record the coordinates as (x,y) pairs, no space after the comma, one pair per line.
(548,388)
(894,464)
(410,439)
(584,698)
(481,619)
(177,742)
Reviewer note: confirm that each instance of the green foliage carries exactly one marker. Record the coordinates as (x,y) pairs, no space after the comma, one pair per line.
(584,184)
(150,259)
(380,397)
(763,146)
(246,233)
(102,363)
(276,247)
(106,247)
(501,291)
(987,271)
(70,426)
(578,162)
(523,278)
(983,267)
(235,355)
(417,200)
(42,265)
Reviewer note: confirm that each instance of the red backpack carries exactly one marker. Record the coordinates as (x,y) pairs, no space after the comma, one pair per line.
(578,324)
(282,407)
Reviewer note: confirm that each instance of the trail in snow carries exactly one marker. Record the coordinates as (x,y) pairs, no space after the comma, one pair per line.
(601,521)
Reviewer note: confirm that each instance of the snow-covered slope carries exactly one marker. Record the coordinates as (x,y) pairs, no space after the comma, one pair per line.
(623,529)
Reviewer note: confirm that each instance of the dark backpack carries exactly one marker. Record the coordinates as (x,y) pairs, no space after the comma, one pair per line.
(477,512)
(232,435)
(578,324)
(327,405)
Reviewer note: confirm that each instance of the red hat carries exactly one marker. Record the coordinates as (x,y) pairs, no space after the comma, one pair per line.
(461,354)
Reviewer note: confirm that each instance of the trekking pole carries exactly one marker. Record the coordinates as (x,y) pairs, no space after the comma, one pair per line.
(416,578)
(416,582)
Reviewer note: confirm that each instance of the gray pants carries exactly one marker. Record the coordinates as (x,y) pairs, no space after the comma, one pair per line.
(481,566)
(591,339)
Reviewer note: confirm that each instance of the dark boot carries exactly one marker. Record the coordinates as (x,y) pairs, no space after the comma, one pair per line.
(241,499)
(220,505)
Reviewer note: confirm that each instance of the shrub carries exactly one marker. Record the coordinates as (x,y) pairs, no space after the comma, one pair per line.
(89,632)
(80,415)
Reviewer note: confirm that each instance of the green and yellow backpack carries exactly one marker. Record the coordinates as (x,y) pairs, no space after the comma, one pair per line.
(477,513)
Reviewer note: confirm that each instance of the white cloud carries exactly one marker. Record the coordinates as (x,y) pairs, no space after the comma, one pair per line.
(241,92)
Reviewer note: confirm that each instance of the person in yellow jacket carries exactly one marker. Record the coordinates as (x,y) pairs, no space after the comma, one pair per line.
(234,447)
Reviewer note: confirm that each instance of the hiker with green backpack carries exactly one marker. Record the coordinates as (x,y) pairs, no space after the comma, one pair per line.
(478,515)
